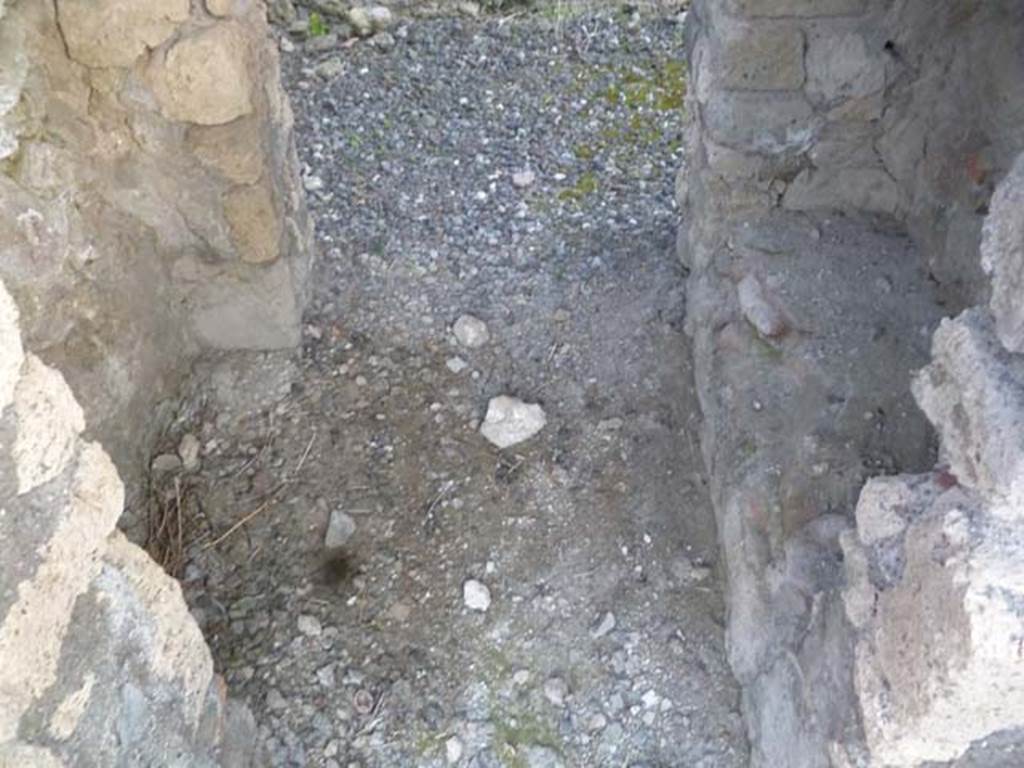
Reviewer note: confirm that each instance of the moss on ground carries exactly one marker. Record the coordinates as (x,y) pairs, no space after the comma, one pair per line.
(643,106)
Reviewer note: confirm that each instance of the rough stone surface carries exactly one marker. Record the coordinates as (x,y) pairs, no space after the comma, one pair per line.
(973,392)
(95,639)
(1002,257)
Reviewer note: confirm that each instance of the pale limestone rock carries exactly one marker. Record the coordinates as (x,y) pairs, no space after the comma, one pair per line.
(13,68)
(114,33)
(1002,257)
(33,632)
(11,353)
(205,78)
(137,592)
(510,421)
(254,222)
(973,392)
(18,755)
(49,422)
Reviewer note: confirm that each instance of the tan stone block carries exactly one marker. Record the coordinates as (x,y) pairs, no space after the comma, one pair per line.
(113,33)
(205,78)
(254,222)
(235,150)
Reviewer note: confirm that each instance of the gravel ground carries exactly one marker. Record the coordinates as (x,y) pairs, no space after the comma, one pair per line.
(555,603)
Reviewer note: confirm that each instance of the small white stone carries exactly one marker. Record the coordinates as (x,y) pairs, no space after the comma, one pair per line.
(275,700)
(650,699)
(453,750)
(523,179)
(380,16)
(325,676)
(471,331)
(309,625)
(555,691)
(165,462)
(476,595)
(340,529)
(522,677)
(188,451)
(509,421)
(456,364)
(606,625)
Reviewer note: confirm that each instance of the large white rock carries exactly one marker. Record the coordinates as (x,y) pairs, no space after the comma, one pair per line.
(476,595)
(509,421)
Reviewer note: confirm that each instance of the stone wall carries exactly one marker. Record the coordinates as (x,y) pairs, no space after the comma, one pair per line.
(843,157)
(102,663)
(149,210)
(149,205)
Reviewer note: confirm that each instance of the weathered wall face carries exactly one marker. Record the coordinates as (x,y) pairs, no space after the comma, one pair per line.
(148,196)
(102,663)
(843,157)
(934,576)
(149,209)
